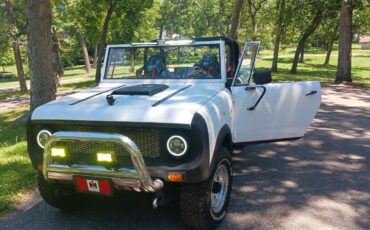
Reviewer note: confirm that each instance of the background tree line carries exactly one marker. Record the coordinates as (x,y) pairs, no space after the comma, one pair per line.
(49,35)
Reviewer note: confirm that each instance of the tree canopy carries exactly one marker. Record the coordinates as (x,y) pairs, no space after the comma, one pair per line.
(82,28)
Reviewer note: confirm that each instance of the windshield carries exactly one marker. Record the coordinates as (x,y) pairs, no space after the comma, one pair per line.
(164,62)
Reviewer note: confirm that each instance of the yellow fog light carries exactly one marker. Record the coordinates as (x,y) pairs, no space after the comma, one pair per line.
(105,157)
(58,152)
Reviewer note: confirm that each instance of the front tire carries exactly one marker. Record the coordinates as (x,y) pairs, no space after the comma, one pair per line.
(203,205)
(58,195)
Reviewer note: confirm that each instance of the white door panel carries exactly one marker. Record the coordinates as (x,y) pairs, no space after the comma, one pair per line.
(283,112)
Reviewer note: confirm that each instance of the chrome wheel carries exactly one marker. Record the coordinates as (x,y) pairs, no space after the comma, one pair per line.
(220,186)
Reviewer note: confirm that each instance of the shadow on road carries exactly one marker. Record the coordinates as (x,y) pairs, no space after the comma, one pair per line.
(319,182)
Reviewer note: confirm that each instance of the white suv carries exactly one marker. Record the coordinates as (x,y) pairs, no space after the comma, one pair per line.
(164,119)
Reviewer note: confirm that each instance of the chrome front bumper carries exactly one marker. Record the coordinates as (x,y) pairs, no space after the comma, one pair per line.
(137,179)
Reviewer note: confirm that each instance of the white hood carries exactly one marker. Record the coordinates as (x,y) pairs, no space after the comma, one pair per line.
(177,109)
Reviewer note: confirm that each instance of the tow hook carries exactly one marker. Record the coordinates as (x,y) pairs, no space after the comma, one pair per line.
(159,199)
(155,203)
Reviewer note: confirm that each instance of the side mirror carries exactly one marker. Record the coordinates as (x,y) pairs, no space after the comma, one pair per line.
(262,77)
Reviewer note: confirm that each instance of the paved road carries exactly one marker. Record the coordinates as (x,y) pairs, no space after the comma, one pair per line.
(319,182)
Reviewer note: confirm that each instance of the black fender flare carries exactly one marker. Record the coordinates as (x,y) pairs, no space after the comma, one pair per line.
(224,138)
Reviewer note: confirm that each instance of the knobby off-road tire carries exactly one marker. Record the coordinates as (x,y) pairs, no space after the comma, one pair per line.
(58,195)
(203,205)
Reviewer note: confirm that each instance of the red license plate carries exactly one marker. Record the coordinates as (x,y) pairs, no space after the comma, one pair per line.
(98,186)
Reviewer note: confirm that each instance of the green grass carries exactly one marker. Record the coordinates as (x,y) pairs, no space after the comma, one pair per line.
(313,68)
(68,86)
(16,173)
(12,94)
(77,85)
(69,73)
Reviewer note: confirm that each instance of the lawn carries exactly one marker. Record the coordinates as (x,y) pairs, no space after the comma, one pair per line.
(17,174)
(69,74)
(313,68)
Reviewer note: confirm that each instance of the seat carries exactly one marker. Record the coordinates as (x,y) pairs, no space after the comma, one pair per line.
(156,67)
(209,63)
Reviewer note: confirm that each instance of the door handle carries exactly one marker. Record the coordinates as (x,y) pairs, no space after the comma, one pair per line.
(311,93)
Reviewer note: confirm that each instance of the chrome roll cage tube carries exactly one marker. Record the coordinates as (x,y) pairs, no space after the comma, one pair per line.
(137,179)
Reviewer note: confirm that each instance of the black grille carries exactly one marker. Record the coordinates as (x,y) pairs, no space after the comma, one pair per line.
(148,140)
(85,153)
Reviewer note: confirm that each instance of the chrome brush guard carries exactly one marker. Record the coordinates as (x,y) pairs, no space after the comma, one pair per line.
(137,179)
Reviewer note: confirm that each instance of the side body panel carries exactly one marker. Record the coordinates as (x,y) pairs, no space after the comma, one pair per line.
(217,113)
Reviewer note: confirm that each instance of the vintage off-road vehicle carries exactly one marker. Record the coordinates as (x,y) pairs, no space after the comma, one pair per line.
(164,119)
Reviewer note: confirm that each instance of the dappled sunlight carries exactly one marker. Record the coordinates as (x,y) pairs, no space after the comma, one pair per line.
(267,154)
(248,188)
(290,158)
(316,143)
(330,165)
(327,213)
(318,182)
(289,184)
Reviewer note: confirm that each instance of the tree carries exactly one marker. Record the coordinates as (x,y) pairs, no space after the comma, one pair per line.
(43,87)
(305,35)
(253,7)
(279,31)
(345,44)
(129,9)
(235,18)
(103,40)
(79,19)
(331,36)
(85,53)
(188,18)
(58,70)
(15,46)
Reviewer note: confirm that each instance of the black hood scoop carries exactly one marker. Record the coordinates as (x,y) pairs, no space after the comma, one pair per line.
(143,89)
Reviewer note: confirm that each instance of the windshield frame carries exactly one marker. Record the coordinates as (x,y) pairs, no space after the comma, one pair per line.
(221,44)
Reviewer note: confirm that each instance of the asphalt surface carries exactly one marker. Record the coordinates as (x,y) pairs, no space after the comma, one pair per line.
(319,182)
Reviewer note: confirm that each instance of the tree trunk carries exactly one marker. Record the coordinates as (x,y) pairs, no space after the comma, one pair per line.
(252,15)
(223,23)
(235,19)
(19,65)
(328,52)
(95,58)
(254,27)
(345,45)
(103,41)
(161,32)
(40,52)
(132,54)
(279,31)
(85,53)
(57,61)
(309,30)
(15,46)
(301,57)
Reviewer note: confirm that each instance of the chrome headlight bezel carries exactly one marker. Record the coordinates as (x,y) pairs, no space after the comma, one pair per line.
(38,137)
(183,140)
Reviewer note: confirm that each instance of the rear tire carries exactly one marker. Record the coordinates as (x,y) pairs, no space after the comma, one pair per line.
(60,196)
(204,205)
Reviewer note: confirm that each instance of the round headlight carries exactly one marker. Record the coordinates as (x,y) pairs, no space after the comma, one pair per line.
(177,146)
(43,137)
